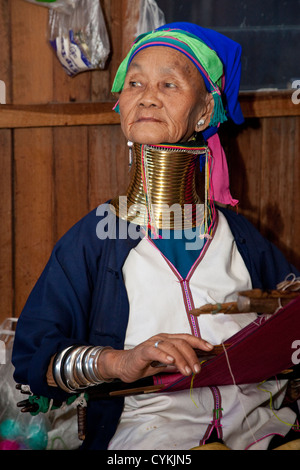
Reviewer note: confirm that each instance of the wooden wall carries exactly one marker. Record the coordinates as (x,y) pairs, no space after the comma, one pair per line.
(53,174)
(264,163)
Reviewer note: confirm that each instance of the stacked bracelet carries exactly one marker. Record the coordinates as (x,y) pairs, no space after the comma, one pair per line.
(75,368)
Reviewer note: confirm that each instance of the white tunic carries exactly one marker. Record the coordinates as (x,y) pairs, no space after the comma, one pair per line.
(159,301)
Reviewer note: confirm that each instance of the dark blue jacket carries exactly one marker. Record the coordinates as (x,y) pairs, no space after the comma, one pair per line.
(81,298)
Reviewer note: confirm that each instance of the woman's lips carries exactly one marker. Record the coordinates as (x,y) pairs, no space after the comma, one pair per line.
(142,120)
(147,119)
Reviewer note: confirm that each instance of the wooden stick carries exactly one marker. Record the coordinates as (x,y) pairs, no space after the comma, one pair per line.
(269,294)
(217,349)
(229,307)
(249,301)
(136,391)
(81,422)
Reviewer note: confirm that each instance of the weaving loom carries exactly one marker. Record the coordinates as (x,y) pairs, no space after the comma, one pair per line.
(262,350)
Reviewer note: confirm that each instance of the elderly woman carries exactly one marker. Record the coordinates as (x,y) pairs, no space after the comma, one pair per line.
(114,299)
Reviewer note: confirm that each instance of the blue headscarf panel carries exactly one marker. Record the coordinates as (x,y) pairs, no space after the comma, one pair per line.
(229,52)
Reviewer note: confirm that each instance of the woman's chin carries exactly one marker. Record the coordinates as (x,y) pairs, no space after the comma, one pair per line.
(149,134)
(152,137)
(146,140)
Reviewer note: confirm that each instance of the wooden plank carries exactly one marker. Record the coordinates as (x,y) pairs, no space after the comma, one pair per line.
(32,58)
(278,183)
(68,89)
(56,115)
(6,236)
(6,182)
(242,146)
(131,14)
(5,62)
(264,166)
(71,178)
(32,62)
(268,104)
(108,164)
(33,208)
(70,149)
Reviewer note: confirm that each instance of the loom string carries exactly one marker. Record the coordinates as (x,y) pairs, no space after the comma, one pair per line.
(294,426)
(60,439)
(234,382)
(241,403)
(192,387)
(290,280)
(191,390)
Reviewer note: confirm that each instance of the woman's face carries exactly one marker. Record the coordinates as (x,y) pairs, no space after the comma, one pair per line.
(163,97)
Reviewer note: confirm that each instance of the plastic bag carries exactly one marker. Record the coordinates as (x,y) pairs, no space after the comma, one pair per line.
(50,430)
(79,39)
(151,17)
(23,431)
(17,431)
(65,6)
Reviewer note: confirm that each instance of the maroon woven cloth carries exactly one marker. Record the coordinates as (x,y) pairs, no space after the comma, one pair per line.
(259,351)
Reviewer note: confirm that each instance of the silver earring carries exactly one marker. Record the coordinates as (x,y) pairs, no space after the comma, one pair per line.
(130,145)
(200,122)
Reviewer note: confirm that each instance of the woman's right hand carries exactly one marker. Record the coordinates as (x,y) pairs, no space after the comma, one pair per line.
(176,351)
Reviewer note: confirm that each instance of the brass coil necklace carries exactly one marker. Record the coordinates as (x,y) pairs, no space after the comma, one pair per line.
(162,192)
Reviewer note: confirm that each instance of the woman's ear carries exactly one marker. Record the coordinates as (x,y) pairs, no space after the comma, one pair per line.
(204,118)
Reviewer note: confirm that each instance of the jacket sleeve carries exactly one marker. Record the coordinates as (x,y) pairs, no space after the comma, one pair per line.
(56,312)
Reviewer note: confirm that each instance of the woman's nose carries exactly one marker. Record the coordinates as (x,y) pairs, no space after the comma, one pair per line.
(150,98)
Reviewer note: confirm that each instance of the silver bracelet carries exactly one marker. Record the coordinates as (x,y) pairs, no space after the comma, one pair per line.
(68,369)
(87,366)
(78,369)
(96,356)
(58,367)
(90,369)
(75,368)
